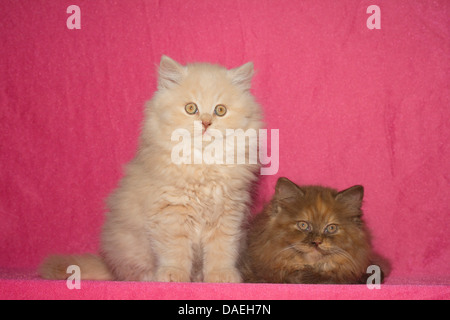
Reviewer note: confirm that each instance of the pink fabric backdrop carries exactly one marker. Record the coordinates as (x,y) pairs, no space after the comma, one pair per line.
(352,105)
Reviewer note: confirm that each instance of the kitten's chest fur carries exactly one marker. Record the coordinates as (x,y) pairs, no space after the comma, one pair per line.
(212,196)
(211,190)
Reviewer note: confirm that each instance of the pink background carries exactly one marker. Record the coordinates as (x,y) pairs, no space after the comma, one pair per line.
(352,105)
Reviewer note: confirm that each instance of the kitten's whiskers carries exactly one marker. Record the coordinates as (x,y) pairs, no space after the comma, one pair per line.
(341,252)
(292,246)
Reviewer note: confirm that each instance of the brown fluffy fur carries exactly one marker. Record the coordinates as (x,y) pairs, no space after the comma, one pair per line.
(280,252)
(177,222)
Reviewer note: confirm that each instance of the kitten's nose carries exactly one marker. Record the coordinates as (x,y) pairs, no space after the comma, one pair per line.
(206,120)
(206,124)
(316,242)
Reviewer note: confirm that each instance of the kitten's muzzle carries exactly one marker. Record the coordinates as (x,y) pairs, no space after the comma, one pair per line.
(316,242)
(206,124)
(206,120)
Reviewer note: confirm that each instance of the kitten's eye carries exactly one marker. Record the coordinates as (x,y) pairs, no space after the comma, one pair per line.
(331,228)
(303,226)
(191,108)
(220,110)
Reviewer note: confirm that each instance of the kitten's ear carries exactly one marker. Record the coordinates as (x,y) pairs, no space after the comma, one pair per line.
(242,76)
(170,72)
(352,196)
(286,190)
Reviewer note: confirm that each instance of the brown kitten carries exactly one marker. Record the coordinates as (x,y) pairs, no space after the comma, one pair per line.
(309,235)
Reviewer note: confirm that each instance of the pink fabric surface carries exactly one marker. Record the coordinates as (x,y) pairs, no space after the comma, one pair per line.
(24,284)
(352,105)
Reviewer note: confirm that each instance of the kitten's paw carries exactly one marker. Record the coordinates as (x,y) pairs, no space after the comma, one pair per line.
(223,275)
(172,274)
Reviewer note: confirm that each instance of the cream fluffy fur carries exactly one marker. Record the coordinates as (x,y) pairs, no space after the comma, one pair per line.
(169,222)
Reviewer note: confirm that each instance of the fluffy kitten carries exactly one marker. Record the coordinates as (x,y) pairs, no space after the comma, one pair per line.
(309,235)
(178,222)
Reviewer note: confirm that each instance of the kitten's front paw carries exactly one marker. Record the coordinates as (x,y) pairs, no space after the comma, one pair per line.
(171,274)
(223,275)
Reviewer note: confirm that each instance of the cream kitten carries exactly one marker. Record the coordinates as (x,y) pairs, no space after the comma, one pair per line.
(178,222)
